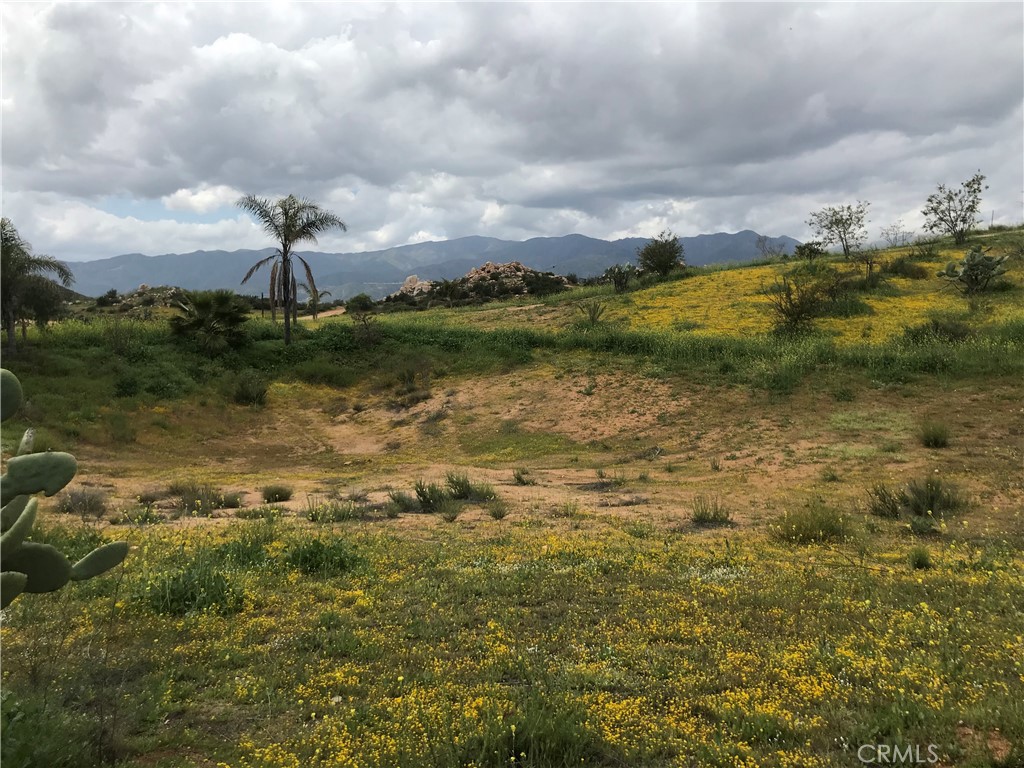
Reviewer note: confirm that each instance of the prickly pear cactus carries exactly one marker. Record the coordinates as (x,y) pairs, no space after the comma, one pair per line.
(28,566)
(975,272)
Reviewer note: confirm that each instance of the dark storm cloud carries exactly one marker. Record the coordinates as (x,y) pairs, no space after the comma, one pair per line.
(511,120)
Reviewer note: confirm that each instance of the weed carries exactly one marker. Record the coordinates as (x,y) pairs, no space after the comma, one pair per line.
(708,510)
(195,498)
(830,475)
(716,464)
(263,512)
(449,509)
(519,476)
(320,510)
(274,494)
(199,587)
(934,434)
(231,500)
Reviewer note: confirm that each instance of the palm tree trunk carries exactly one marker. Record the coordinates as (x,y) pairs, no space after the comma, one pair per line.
(12,338)
(286,282)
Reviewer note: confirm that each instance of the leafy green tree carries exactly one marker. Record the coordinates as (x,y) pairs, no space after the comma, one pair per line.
(22,274)
(662,254)
(809,251)
(289,220)
(841,225)
(955,211)
(212,319)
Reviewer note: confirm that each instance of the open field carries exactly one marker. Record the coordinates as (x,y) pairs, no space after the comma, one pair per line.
(578,605)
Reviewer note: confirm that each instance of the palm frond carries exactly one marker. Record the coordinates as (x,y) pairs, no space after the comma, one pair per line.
(256,266)
(310,282)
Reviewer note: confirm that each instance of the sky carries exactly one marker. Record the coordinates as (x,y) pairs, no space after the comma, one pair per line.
(135,127)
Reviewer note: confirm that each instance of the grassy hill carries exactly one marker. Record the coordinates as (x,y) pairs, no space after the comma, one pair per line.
(518,537)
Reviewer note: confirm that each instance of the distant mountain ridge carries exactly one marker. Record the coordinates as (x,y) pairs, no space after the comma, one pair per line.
(382,272)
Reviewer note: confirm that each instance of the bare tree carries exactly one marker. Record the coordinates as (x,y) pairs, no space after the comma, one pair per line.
(895,235)
(769,251)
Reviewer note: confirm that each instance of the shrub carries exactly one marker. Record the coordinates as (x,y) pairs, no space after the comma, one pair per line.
(449,509)
(250,388)
(320,557)
(939,328)
(403,502)
(811,524)
(661,254)
(275,494)
(195,498)
(830,475)
(263,512)
(795,301)
(708,510)
(319,510)
(459,487)
(619,276)
(497,509)
(902,266)
(592,310)
(199,587)
(430,495)
(84,502)
(920,558)
(883,501)
(934,434)
(212,320)
(933,496)
(231,500)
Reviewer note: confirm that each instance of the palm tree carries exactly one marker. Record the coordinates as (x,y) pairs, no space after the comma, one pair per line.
(314,298)
(289,220)
(212,319)
(22,275)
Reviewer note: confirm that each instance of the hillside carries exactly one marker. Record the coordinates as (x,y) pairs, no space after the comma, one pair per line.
(382,272)
(665,536)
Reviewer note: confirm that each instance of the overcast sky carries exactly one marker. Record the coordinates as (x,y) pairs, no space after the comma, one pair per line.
(135,126)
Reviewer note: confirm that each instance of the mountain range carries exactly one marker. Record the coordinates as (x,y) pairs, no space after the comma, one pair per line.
(379,273)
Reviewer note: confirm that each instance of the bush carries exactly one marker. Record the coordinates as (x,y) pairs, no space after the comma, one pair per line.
(459,487)
(812,524)
(497,509)
(708,510)
(519,475)
(195,498)
(662,254)
(263,512)
(883,501)
(934,496)
(250,388)
(199,587)
(939,328)
(320,557)
(934,434)
(274,494)
(84,502)
(902,266)
(795,301)
(430,495)
(920,558)
(449,510)
(403,502)
(319,510)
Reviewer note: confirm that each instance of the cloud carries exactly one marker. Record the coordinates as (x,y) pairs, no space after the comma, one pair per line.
(510,120)
(202,199)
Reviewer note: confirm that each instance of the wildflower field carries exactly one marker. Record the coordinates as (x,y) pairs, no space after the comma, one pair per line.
(507,536)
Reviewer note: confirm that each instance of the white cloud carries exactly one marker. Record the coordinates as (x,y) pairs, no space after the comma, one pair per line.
(202,199)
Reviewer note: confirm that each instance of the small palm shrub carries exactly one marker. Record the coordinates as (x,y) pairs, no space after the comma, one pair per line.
(212,320)
(934,434)
(708,510)
(814,523)
(592,310)
(274,494)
